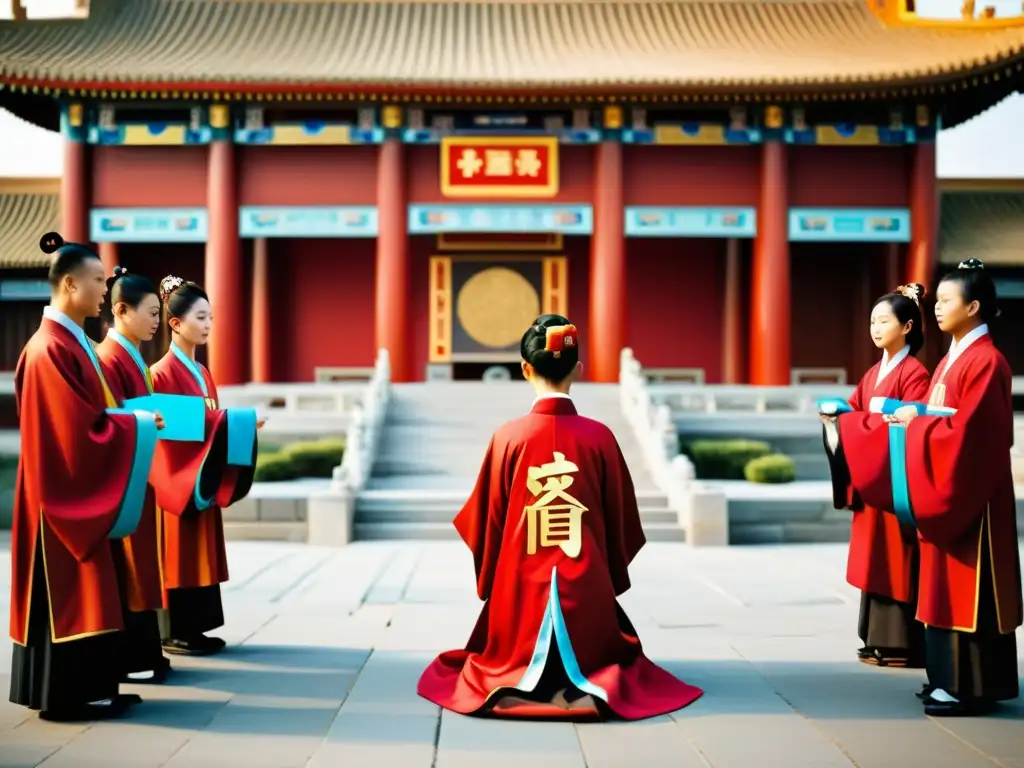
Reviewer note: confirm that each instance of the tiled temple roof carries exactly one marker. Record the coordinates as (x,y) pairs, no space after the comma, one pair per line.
(24,218)
(562,46)
(982,225)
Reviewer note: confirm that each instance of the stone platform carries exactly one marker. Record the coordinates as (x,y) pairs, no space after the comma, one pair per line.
(326,647)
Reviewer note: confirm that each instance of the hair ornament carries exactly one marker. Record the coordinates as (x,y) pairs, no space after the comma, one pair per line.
(913,291)
(50,242)
(120,271)
(971,264)
(559,338)
(169,285)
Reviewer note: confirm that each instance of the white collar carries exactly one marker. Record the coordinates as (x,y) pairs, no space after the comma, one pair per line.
(549,396)
(957,349)
(889,364)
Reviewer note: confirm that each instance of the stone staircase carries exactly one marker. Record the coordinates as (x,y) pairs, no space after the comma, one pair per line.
(434,440)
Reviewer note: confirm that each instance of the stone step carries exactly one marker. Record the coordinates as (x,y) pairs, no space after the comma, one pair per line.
(446,532)
(264,531)
(822,532)
(398,515)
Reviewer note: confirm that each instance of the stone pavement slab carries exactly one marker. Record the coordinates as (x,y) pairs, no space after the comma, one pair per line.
(326,647)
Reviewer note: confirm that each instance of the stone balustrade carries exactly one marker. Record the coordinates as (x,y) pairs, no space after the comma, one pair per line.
(330,514)
(702,511)
(298,411)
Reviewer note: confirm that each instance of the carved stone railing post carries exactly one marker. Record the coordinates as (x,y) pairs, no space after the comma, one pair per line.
(331,514)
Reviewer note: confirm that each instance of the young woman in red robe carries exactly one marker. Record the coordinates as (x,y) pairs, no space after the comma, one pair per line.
(81,482)
(883,557)
(950,476)
(553,526)
(194,480)
(135,307)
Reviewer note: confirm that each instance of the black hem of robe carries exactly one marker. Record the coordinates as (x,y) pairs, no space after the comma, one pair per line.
(191,612)
(980,666)
(59,677)
(890,626)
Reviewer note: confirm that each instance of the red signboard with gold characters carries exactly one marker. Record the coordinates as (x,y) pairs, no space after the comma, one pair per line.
(483,166)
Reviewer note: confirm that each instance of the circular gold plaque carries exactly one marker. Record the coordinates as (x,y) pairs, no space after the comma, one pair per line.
(496,306)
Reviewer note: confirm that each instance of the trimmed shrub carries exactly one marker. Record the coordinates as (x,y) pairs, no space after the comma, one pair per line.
(8,476)
(774,468)
(723,459)
(316,459)
(273,468)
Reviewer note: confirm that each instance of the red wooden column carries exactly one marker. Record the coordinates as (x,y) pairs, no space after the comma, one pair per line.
(109,257)
(732,316)
(393,284)
(74,181)
(260,338)
(769,279)
(224,256)
(607,328)
(924,216)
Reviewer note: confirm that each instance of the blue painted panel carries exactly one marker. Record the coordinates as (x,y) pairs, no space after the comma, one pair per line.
(691,222)
(566,219)
(849,225)
(316,221)
(148,225)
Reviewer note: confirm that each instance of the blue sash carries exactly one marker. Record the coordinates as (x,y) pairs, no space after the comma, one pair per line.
(898,474)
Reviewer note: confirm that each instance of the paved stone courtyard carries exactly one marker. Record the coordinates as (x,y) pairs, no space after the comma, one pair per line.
(326,647)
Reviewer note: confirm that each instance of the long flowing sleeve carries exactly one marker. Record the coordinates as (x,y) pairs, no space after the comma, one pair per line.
(480,522)
(85,467)
(623,530)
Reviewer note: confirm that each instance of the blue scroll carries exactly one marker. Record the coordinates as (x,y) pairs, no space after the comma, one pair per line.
(241,436)
(889,406)
(184,415)
(130,512)
(833,406)
(898,473)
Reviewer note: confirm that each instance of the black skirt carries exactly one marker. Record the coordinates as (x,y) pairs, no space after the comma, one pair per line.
(54,677)
(891,627)
(141,650)
(978,666)
(191,612)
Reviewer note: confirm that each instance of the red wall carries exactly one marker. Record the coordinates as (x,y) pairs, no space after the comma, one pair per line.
(675,303)
(849,177)
(703,176)
(308,175)
(322,305)
(155,177)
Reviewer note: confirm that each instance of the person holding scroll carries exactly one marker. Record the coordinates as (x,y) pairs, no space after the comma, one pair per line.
(946,470)
(81,483)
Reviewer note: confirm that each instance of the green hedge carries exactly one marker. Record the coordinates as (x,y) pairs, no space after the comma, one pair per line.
(723,459)
(314,459)
(774,468)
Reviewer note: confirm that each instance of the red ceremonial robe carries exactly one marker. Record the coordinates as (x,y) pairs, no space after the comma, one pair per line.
(960,486)
(138,552)
(553,526)
(192,540)
(80,470)
(881,554)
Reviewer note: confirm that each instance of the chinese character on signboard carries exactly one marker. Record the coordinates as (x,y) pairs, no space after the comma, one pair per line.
(475,167)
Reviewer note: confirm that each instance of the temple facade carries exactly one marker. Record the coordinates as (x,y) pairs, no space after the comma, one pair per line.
(339,186)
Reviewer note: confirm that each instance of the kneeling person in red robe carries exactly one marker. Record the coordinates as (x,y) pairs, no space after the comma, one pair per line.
(553,526)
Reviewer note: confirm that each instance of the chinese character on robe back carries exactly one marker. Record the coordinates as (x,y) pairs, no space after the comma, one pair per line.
(554,519)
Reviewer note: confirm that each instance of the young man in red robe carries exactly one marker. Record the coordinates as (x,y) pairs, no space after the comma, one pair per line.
(553,526)
(950,476)
(81,482)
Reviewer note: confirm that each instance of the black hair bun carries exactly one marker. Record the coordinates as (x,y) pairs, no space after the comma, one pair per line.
(971,264)
(50,242)
(120,271)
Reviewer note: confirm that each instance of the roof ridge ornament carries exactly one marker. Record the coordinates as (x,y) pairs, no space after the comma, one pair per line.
(974,15)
